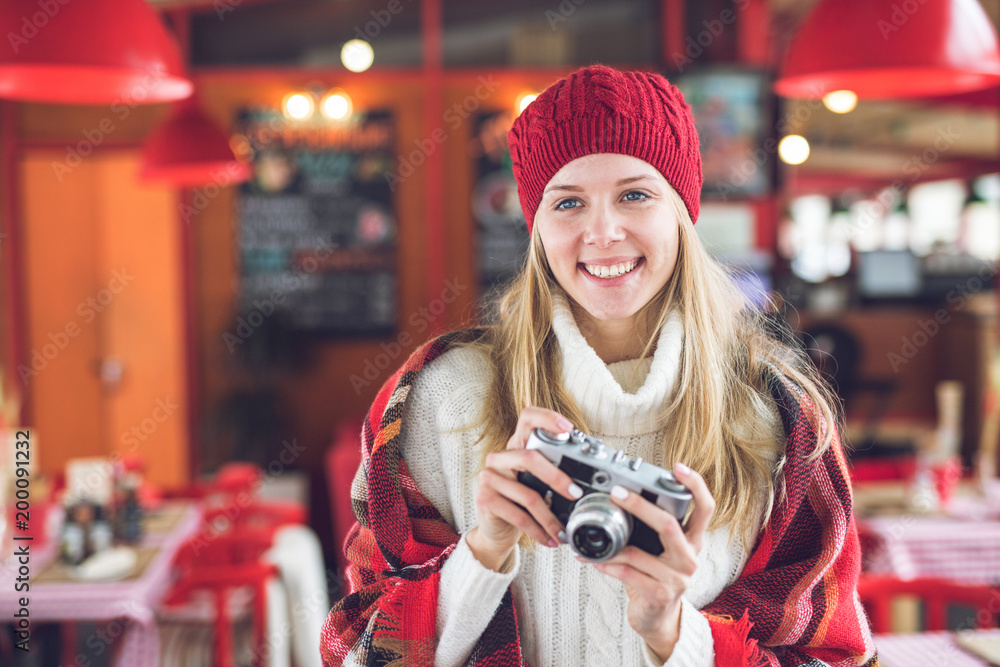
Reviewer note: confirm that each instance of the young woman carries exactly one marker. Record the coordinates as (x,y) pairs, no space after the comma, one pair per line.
(620,325)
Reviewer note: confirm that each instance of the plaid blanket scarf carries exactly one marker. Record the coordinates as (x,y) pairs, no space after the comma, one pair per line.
(793,604)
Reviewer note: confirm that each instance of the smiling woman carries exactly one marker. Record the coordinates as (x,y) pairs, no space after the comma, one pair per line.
(611,245)
(620,325)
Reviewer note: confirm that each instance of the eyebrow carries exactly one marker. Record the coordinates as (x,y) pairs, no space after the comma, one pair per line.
(577,188)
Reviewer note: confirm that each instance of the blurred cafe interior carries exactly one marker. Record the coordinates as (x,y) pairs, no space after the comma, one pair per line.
(224,224)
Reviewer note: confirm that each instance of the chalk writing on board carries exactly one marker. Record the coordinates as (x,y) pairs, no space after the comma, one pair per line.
(317,225)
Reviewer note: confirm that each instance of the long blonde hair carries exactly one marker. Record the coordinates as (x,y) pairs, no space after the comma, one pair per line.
(720,418)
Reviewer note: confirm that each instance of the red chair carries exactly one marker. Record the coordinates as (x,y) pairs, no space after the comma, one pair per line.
(883,469)
(220,565)
(238,529)
(936,595)
(229,482)
(254,516)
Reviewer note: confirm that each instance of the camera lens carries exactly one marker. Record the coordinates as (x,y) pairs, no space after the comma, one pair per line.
(597,528)
(592,541)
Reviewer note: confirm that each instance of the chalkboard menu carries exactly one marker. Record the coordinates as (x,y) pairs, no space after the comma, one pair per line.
(317,228)
(501,229)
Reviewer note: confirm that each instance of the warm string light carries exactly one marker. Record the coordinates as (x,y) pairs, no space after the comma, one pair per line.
(335,105)
(298,106)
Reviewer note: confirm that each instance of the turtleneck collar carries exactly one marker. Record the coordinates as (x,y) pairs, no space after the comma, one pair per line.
(597,387)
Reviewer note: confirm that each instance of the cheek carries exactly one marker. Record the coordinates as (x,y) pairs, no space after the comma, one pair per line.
(560,249)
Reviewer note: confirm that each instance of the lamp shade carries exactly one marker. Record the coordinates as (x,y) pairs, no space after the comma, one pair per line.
(90,52)
(887,49)
(190,150)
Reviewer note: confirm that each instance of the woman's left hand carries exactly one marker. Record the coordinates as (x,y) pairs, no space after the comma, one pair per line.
(655,583)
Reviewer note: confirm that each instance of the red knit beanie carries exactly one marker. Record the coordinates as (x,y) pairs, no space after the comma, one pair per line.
(598,109)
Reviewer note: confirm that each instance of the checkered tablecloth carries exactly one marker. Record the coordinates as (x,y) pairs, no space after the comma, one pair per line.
(924,649)
(129,606)
(911,546)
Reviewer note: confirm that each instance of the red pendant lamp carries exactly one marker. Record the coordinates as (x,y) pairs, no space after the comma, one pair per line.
(892,49)
(190,150)
(88,52)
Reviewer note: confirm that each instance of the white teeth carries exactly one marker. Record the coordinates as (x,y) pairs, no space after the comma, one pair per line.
(613,271)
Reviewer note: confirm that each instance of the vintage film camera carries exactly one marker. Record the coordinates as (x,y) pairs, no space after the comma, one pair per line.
(596,528)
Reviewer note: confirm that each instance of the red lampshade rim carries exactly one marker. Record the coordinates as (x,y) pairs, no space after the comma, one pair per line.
(90,84)
(887,82)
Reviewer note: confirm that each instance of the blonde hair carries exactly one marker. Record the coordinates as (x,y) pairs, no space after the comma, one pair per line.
(720,419)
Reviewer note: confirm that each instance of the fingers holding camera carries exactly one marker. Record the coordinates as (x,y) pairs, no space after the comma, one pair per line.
(679,554)
(532,515)
(509,463)
(704,504)
(507,508)
(655,578)
(533,417)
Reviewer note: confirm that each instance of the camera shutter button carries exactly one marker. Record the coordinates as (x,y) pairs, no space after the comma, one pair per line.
(556,437)
(670,484)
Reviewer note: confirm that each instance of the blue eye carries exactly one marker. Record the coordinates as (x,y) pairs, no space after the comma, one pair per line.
(560,206)
(643,195)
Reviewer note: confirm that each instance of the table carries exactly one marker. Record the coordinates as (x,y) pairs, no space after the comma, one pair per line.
(132,601)
(928,648)
(961,544)
(910,547)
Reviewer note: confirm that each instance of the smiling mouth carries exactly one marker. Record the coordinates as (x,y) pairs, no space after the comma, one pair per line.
(612,271)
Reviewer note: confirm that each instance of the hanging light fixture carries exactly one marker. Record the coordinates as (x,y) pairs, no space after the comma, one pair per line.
(884,49)
(92,52)
(189,150)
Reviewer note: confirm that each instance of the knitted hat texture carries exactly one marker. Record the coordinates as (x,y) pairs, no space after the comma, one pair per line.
(598,109)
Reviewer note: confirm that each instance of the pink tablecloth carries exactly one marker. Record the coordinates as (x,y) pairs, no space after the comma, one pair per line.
(910,546)
(937,649)
(134,602)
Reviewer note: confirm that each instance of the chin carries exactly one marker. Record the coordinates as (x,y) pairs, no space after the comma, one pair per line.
(609,312)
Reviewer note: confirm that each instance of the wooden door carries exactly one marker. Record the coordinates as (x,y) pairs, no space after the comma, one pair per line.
(103,265)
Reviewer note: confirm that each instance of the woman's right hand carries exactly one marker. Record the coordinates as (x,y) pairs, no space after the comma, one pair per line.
(507,508)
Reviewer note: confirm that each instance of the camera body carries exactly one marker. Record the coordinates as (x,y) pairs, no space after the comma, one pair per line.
(596,528)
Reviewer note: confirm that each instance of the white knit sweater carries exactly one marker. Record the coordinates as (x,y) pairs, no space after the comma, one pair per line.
(568,612)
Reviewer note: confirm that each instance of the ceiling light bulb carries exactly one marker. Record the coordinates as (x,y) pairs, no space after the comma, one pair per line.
(841,101)
(357,55)
(793,149)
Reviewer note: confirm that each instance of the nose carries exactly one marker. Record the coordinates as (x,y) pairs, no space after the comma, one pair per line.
(603,228)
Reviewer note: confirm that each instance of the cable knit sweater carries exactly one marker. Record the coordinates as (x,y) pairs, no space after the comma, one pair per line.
(569,613)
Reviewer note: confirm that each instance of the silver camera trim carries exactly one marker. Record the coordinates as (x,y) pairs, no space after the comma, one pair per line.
(629,472)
